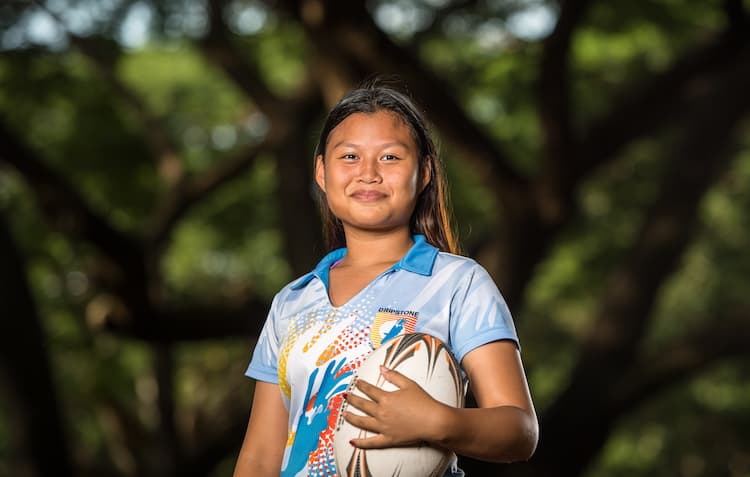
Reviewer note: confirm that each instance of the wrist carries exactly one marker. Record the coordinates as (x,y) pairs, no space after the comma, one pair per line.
(444,421)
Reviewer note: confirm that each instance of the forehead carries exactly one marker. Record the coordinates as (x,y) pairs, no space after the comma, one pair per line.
(372,128)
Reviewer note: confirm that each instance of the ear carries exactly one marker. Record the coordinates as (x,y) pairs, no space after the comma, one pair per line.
(320,172)
(426,175)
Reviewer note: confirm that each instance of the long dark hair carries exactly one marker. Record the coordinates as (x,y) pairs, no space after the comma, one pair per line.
(431,216)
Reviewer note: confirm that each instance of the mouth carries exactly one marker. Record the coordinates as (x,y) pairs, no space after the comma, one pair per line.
(368,195)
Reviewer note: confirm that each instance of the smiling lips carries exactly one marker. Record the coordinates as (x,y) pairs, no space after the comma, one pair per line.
(368,195)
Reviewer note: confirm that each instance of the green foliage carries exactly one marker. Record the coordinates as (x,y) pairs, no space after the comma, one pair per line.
(282,55)
(704,435)
(231,242)
(497,89)
(621,45)
(474,206)
(205,114)
(62,110)
(229,246)
(715,273)
(563,298)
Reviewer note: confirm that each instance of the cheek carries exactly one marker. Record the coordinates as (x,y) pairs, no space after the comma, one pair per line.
(338,177)
(410,182)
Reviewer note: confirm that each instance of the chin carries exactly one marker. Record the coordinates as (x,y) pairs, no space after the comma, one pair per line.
(378,226)
(375,222)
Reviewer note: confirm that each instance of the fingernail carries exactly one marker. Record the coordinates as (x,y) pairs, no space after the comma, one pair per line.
(383,369)
(351,442)
(345,394)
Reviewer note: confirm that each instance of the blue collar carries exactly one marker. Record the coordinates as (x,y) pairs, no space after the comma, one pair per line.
(419,259)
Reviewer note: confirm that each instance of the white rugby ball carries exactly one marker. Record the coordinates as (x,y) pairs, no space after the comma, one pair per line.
(427,361)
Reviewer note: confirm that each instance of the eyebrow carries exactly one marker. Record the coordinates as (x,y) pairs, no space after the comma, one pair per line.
(383,146)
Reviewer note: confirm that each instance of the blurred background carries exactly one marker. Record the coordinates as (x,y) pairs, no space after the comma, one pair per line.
(155,192)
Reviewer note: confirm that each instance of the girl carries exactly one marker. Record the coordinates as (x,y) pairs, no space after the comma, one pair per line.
(393,270)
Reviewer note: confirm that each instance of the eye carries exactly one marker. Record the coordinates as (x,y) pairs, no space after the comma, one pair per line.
(389,157)
(349,156)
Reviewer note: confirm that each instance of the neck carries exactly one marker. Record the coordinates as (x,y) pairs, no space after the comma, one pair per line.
(371,248)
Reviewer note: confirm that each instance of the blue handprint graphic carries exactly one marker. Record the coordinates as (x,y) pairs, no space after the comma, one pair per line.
(314,419)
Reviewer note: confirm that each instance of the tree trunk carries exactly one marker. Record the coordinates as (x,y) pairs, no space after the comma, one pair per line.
(39,447)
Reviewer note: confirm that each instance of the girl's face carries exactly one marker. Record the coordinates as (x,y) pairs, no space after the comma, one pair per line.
(371,174)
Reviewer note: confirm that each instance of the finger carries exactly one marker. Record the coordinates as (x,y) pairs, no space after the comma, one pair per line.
(363,404)
(370,390)
(378,441)
(396,378)
(366,423)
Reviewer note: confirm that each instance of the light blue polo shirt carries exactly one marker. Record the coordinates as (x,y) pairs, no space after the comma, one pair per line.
(311,348)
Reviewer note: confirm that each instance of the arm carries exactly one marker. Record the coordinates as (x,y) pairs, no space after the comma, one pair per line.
(265,439)
(504,428)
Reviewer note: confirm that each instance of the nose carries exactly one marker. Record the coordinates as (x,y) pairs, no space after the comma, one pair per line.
(369,172)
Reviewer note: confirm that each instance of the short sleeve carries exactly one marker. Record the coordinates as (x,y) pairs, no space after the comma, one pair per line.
(479,314)
(265,361)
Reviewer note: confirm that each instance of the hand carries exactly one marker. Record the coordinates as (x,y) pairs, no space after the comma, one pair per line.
(406,416)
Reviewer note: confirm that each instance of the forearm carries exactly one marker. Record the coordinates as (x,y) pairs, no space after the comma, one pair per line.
(498,434)
(255,466)
(263,447)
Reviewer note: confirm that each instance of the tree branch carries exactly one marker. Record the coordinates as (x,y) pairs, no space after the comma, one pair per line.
(218,48)
(650,105)
(169,443)
(554,191)
(628,299)
(529,229)
(197,323)
(299,218)
(290,121)
(704,153)
(440,15)
(36,428)
(101,53)
(738,18)
(724,336)
(133,313)
(663,98)
(67,210)
(191,191)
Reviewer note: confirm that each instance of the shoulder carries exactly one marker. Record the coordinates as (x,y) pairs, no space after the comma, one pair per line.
(448,258)
(456,272)
(468,277)
(458,265)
